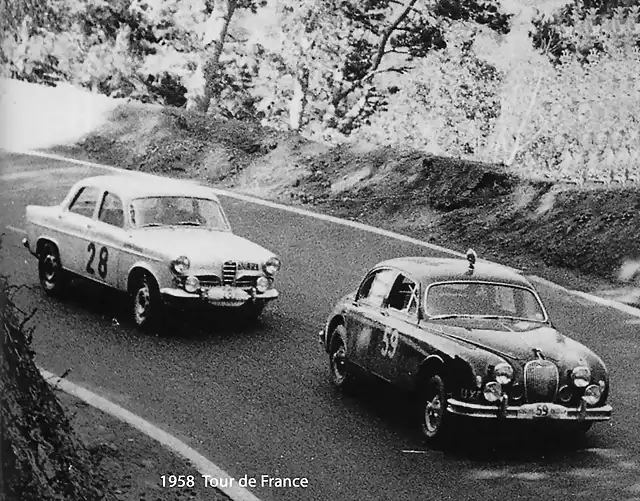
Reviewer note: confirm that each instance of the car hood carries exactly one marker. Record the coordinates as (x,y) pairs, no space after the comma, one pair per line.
(519,340)
(201,246)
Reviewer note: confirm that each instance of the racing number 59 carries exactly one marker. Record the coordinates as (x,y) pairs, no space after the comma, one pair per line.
(103,257)
(389,342)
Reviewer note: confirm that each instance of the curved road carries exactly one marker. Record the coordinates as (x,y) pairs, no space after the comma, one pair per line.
(258,401)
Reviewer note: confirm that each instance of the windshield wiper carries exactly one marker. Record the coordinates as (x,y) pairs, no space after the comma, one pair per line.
(485,317)
(452,315)
(188,223)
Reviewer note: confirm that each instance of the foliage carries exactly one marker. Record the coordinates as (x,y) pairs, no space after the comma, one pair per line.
(449,103)
(335,56)
(586,122)
(583,26)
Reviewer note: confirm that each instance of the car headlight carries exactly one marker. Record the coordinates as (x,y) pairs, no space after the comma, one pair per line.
(581,376)
(592,394)
(503,373)
(191,284)
(180,265)
(262,284)
(272,266)
(492,391)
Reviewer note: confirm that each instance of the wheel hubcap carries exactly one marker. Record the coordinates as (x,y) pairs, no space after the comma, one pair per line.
(338,360)
(50,268)
(142,303)
(433,414)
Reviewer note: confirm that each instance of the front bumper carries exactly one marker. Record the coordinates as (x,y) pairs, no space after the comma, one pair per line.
(530,412)
(217,296)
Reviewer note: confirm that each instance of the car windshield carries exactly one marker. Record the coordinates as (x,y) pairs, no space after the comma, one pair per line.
(483,300)
(177,211)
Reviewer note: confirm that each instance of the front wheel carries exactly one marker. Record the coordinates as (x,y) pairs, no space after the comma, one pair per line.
(434,416)
(145,302)
(53,278)
(338,366)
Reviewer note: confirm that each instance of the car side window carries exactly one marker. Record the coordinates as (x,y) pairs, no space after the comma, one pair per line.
(376,287)
(85,201)
(111,210)
(404,295)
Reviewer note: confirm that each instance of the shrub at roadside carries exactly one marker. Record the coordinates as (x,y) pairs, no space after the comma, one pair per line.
(42,459)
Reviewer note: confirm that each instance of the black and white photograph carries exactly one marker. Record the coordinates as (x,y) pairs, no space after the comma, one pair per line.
(309,250)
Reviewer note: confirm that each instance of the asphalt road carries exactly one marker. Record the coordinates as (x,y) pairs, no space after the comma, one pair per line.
(258,401)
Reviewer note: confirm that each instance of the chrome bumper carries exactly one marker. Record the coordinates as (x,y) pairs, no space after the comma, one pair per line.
(219,296)
(532,412)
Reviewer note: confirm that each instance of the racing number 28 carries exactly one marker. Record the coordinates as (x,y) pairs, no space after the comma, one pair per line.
(103,257)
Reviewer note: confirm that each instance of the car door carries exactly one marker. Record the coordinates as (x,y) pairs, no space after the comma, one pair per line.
(106,238)
(366,321)
(77,221)
(401,318)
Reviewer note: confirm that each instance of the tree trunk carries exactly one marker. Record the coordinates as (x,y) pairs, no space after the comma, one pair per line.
(212,64)
(298,104)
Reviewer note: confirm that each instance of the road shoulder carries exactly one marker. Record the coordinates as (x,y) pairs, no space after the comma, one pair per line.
(133,464)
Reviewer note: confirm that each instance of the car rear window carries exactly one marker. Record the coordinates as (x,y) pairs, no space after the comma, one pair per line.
(85,201)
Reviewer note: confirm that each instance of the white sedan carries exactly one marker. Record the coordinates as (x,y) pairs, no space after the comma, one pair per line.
(161,241)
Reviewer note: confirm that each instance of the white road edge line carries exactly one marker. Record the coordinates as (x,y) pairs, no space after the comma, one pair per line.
(202,464)
(17,230)
(630,310)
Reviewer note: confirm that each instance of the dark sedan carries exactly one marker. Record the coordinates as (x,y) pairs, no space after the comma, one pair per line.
(470,339)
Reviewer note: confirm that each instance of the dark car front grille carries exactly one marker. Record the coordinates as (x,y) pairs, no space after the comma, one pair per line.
(229,270)
(540,381)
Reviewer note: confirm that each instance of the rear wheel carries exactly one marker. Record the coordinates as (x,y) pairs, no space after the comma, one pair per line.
(53,278)
(435,418)
(145,301)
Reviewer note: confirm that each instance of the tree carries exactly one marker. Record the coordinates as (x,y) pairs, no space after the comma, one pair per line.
(335,67)
(211,67)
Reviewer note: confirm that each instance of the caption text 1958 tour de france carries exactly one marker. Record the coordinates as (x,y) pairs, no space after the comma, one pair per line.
(244,481)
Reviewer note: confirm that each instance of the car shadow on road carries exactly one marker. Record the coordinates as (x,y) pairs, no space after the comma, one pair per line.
(477,440)
(175,324)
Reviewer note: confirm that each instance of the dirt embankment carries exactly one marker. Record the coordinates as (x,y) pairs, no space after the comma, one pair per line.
(532,224)
(42,458)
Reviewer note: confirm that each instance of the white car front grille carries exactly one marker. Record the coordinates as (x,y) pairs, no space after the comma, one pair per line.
(229,270)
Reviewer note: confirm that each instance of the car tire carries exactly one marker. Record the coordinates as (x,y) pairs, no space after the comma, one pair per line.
(145,302)
(339,372)
(53,278)
(434,417)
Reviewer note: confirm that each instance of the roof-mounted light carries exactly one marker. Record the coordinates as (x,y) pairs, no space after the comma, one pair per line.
(471,257)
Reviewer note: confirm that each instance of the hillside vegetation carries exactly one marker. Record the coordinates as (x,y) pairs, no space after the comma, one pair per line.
(550,93)
(508,125)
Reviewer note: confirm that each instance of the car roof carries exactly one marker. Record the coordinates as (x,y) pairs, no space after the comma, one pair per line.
(133,186)
(430,270)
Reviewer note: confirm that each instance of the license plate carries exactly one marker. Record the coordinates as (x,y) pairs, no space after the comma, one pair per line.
(227,293)
(542,410)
